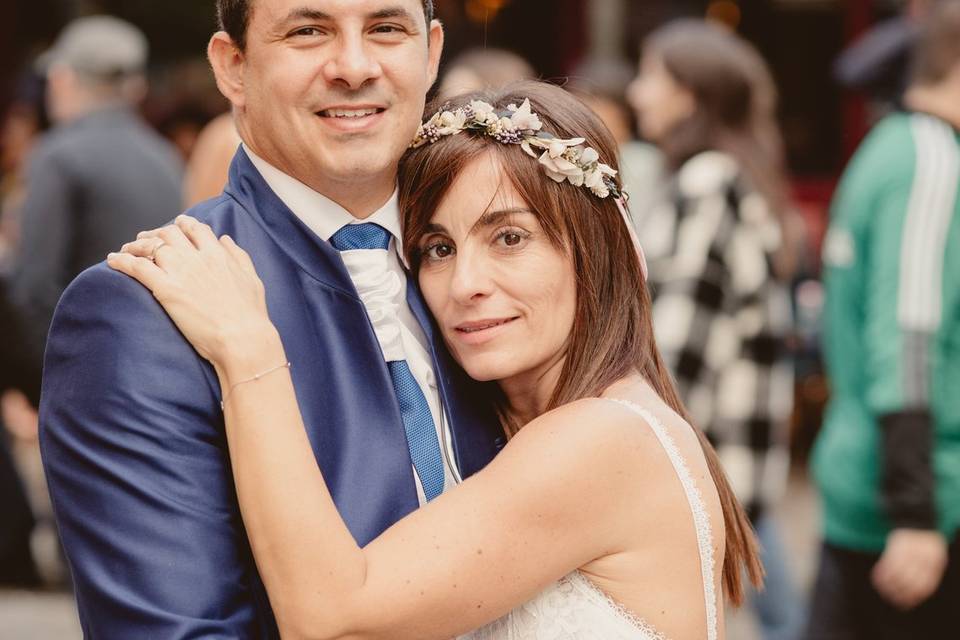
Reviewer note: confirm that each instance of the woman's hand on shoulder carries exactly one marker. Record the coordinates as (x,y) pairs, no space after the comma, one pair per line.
(207,285)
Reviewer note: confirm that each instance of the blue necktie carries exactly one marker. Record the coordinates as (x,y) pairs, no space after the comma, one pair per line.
(417,420)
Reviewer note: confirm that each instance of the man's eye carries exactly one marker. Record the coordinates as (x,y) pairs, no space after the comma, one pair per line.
(387,28)
(307,32)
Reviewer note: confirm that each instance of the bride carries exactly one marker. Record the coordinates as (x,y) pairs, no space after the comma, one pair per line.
(605,516)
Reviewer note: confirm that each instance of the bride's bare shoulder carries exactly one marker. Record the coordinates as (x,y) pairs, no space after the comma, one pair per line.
(594,431)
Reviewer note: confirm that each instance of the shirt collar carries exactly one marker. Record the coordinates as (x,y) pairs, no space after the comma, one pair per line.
(322,215)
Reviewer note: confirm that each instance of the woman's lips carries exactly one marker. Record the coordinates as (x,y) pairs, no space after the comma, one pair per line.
(481,331)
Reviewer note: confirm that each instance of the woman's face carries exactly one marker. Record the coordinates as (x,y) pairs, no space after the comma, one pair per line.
(659,100)
(503,295)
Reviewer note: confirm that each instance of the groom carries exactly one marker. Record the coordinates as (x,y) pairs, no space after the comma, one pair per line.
(327,95)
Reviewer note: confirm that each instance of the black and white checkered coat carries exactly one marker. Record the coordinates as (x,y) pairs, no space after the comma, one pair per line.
(721,319)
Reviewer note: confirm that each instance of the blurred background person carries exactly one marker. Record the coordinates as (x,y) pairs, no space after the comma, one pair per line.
(209,163)
(602,83)
(24,121)
(887,461)
(478,69)
(70,196)
(721,258)
(19,129)
(98,176)
(878,63)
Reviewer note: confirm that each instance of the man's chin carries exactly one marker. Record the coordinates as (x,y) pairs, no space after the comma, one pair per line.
(365,160)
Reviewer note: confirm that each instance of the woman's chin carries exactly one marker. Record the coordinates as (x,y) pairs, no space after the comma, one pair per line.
(484,369)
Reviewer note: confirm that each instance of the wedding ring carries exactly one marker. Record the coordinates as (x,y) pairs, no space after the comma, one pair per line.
(153,254)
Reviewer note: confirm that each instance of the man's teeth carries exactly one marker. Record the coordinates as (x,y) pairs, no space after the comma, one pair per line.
(348,113)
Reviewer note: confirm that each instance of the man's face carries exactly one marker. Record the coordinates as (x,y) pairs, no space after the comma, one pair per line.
(333,90)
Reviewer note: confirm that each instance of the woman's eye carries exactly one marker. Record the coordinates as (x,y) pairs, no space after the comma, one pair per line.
(510,238)
(438,251)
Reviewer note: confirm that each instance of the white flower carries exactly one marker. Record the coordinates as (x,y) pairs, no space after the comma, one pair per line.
(524,119)
(560,169)
(483,112)
(589,156)
(559,146)
(601,191)
(451,122)
(607,170)
(593,179)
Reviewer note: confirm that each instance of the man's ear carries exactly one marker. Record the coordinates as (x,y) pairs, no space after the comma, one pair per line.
(435,40)
(227,61)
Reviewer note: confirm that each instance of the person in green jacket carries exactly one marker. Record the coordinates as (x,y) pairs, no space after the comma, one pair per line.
(887,462)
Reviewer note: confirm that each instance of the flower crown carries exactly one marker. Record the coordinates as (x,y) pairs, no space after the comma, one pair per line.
(563,160)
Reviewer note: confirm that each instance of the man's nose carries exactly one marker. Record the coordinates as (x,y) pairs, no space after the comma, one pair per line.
(353,65)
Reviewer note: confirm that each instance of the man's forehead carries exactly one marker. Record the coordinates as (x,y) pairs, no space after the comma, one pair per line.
(279,9)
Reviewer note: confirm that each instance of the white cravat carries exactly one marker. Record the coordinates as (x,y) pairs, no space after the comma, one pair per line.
(381,282)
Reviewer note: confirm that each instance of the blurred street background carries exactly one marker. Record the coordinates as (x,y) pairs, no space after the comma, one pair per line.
(827,104)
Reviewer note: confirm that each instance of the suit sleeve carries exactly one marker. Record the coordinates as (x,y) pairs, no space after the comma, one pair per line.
(138,470)
(902,319)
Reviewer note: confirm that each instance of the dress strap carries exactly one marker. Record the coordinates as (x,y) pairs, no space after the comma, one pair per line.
(700,517)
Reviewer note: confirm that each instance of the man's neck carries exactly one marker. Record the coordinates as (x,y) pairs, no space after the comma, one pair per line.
(361,198)
(940,101)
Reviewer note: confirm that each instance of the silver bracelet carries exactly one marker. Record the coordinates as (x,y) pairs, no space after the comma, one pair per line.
(223,402)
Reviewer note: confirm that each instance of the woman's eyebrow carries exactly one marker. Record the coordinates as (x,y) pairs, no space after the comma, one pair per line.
(488,219)
(491,218)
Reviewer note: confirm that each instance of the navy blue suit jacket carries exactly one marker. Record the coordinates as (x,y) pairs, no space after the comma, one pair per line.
(133,442)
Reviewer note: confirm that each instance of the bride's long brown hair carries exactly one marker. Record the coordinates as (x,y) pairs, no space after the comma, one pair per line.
(612,335)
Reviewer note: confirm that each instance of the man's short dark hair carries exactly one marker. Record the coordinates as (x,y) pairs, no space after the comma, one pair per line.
(234,17)
(937,52)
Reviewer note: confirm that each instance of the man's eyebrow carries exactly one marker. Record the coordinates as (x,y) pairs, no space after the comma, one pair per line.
(303,13)
(308,13)
(391,12)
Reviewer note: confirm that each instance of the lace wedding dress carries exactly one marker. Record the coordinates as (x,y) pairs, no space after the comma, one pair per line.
(574,609)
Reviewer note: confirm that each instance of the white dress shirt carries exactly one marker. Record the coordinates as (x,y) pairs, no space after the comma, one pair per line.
(381,281)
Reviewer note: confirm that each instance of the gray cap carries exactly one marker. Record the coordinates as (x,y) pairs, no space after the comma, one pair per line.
(100,46)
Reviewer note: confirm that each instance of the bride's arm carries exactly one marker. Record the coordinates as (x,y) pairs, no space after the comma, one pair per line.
(551,501)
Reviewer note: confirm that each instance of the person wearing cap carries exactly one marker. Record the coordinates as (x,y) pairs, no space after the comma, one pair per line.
(98,176)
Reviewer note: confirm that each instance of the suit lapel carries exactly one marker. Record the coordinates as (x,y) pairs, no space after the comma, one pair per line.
(342,384)
(312,254)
